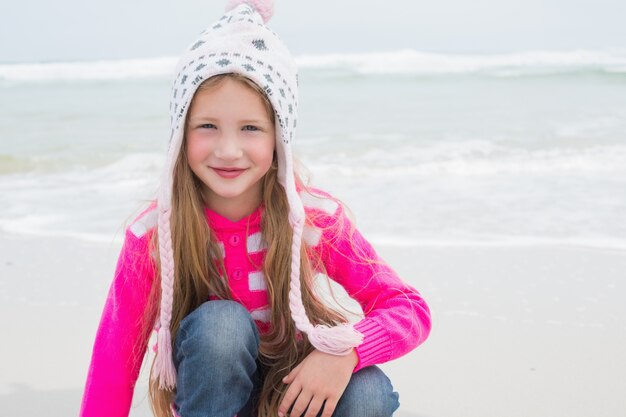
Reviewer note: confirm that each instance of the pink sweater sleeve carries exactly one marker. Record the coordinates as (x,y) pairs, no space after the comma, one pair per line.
(120,344)
(397,319)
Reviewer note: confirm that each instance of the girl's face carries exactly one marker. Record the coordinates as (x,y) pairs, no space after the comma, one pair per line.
(230,145)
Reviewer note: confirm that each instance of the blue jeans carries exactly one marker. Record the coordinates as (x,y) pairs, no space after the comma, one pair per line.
(216,353)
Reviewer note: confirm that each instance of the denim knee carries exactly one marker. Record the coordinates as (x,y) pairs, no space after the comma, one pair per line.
(218,329)
(368,394)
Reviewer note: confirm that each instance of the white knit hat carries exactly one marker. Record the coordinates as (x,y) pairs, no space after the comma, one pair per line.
(240,43)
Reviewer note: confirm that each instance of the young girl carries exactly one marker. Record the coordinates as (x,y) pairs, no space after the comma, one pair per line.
(222,264)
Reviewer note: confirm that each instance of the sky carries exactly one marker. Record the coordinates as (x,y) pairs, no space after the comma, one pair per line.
(79,30)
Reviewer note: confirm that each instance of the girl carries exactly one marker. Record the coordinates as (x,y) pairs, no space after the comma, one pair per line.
(236,238)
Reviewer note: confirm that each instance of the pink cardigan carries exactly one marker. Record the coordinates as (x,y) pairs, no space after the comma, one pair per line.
(396,318)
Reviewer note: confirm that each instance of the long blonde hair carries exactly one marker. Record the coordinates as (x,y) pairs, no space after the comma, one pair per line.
(196,277)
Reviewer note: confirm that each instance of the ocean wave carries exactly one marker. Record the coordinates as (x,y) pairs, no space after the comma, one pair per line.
(402,62)
(410,62)
(408,160)
(91,204)
(470,158)
(79,166)
(90,70)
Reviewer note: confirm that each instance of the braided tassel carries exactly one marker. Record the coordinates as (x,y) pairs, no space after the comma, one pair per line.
(164,369)
(337,340)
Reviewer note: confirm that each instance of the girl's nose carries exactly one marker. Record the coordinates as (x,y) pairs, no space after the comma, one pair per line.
(228,148)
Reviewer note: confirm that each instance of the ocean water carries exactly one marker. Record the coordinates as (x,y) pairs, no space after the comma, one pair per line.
(426,149)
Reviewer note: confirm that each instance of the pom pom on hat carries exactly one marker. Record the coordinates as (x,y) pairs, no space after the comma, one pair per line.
(264,7)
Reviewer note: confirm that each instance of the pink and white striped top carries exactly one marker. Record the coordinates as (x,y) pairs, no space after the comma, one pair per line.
(396,318)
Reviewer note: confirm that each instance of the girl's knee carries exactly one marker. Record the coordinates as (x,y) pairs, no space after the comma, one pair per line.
(218,328)
(368,394)
(217,311)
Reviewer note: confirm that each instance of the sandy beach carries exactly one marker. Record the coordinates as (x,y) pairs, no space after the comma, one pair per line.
(518,330)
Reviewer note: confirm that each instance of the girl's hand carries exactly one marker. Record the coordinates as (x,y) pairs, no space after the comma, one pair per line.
(319,377)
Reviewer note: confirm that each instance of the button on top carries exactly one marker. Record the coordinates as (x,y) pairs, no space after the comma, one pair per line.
(234,240)
(237,273)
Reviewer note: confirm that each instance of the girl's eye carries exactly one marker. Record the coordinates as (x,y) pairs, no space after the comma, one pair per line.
(211,126)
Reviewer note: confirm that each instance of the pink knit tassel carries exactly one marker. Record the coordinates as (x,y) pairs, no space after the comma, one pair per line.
(264,7)
(164,369)
(337,340)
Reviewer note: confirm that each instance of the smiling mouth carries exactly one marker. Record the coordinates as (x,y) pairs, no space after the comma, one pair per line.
(229,172)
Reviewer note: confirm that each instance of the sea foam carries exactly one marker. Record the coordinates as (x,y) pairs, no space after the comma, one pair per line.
(402,62)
